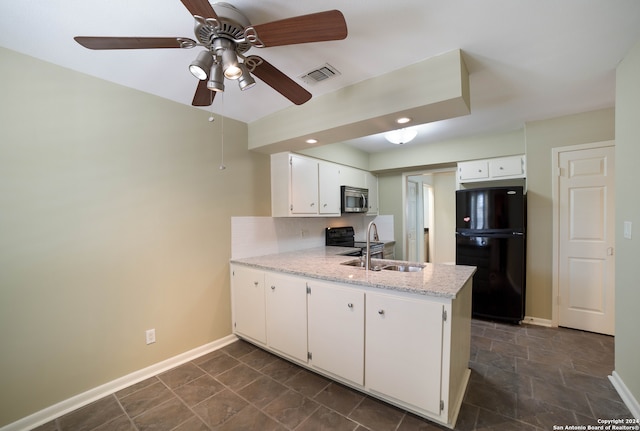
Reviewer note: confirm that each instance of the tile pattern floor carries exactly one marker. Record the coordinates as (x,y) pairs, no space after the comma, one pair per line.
(523,378)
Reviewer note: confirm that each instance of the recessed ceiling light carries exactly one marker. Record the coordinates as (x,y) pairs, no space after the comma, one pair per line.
(312,141)
(403,120)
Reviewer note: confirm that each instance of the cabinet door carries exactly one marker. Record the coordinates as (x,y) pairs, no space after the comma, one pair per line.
(476,170)
(329,188)
(506,167)
(336,330)
(404,349)
(247,290)
(352,177)
(286,305)
(304,185)
(372,185)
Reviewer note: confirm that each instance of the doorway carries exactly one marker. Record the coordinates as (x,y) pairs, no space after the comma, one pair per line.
(584,237)
(429,216)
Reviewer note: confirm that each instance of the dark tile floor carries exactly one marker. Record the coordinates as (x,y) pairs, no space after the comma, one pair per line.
(523,378)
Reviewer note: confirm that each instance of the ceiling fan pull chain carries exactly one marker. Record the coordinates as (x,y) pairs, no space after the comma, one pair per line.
(222,166)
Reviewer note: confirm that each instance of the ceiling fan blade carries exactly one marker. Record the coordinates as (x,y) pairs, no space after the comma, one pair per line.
(315,27)
(203,96)
(200,7)
(92,42)
(280,82)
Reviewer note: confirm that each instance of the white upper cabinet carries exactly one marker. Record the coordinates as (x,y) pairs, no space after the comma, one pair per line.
(501,168)
(329,188)
(352,177)
(306,187)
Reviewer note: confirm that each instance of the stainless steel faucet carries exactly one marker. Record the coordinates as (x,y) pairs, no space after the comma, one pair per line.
(375,235)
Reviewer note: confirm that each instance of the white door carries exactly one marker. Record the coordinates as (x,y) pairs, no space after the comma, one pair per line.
(586,239)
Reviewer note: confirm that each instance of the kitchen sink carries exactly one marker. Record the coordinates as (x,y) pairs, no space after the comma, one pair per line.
(377,265)
(403,268)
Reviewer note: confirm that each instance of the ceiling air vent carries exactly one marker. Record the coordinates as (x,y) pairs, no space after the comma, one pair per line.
(321,73)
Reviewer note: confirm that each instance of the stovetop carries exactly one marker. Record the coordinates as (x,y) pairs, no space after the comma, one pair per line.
(345,237)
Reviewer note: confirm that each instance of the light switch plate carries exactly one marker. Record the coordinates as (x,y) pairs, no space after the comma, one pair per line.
(627,230)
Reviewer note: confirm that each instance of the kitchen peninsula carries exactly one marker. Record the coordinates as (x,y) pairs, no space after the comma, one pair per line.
(403,337)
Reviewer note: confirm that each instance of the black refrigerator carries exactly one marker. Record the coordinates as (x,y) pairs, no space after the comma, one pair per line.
(490,235)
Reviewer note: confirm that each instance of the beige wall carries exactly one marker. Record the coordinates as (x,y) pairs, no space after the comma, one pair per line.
(628,209)
(114,218)
(541,138)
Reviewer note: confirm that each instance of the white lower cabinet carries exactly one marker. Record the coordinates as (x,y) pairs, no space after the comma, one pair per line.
(286,314)
(408,349)
(248,309)
(404,349)
(336,330)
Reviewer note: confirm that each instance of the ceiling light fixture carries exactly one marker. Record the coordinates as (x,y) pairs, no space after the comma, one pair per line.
(311,141)
(201,66)
(403,120)
(401,136)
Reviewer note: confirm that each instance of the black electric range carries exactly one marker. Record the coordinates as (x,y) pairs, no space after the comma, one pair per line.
(345,237)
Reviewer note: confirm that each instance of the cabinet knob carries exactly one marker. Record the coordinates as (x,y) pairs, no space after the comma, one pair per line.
(313,203)
(255,283)
(381,312)
(350,305)
(501,168)
(273,288)
(325,205)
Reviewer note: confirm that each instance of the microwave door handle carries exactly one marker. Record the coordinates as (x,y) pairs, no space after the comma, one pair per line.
(364,201)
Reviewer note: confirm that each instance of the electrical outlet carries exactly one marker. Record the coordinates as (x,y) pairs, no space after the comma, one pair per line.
(150,336)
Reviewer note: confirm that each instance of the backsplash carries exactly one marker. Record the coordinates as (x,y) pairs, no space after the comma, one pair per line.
(258,236)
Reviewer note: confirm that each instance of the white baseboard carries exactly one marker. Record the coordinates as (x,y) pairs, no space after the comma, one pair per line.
(627,397)
(537,321)
(48,414)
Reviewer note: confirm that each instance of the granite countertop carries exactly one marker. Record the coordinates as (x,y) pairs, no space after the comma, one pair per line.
(324,263)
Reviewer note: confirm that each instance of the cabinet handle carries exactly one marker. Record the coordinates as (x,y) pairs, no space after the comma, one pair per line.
(325,205)
(273,288)
(313,203)
(381,312)
(350,305)
(255,283)
(501,168)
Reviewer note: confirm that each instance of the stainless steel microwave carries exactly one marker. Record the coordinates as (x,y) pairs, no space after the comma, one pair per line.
(354,199)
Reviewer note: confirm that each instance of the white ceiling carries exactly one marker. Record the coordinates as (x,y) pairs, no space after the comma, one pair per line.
(528,59)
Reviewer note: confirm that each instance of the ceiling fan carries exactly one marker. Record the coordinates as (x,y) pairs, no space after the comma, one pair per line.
(227,35)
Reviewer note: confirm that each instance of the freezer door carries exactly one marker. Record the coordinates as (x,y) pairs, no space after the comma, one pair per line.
(490,209)
(499,282)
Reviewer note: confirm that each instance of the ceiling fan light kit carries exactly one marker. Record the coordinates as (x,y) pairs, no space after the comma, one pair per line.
(216,78)
(227,34)
(201,65)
